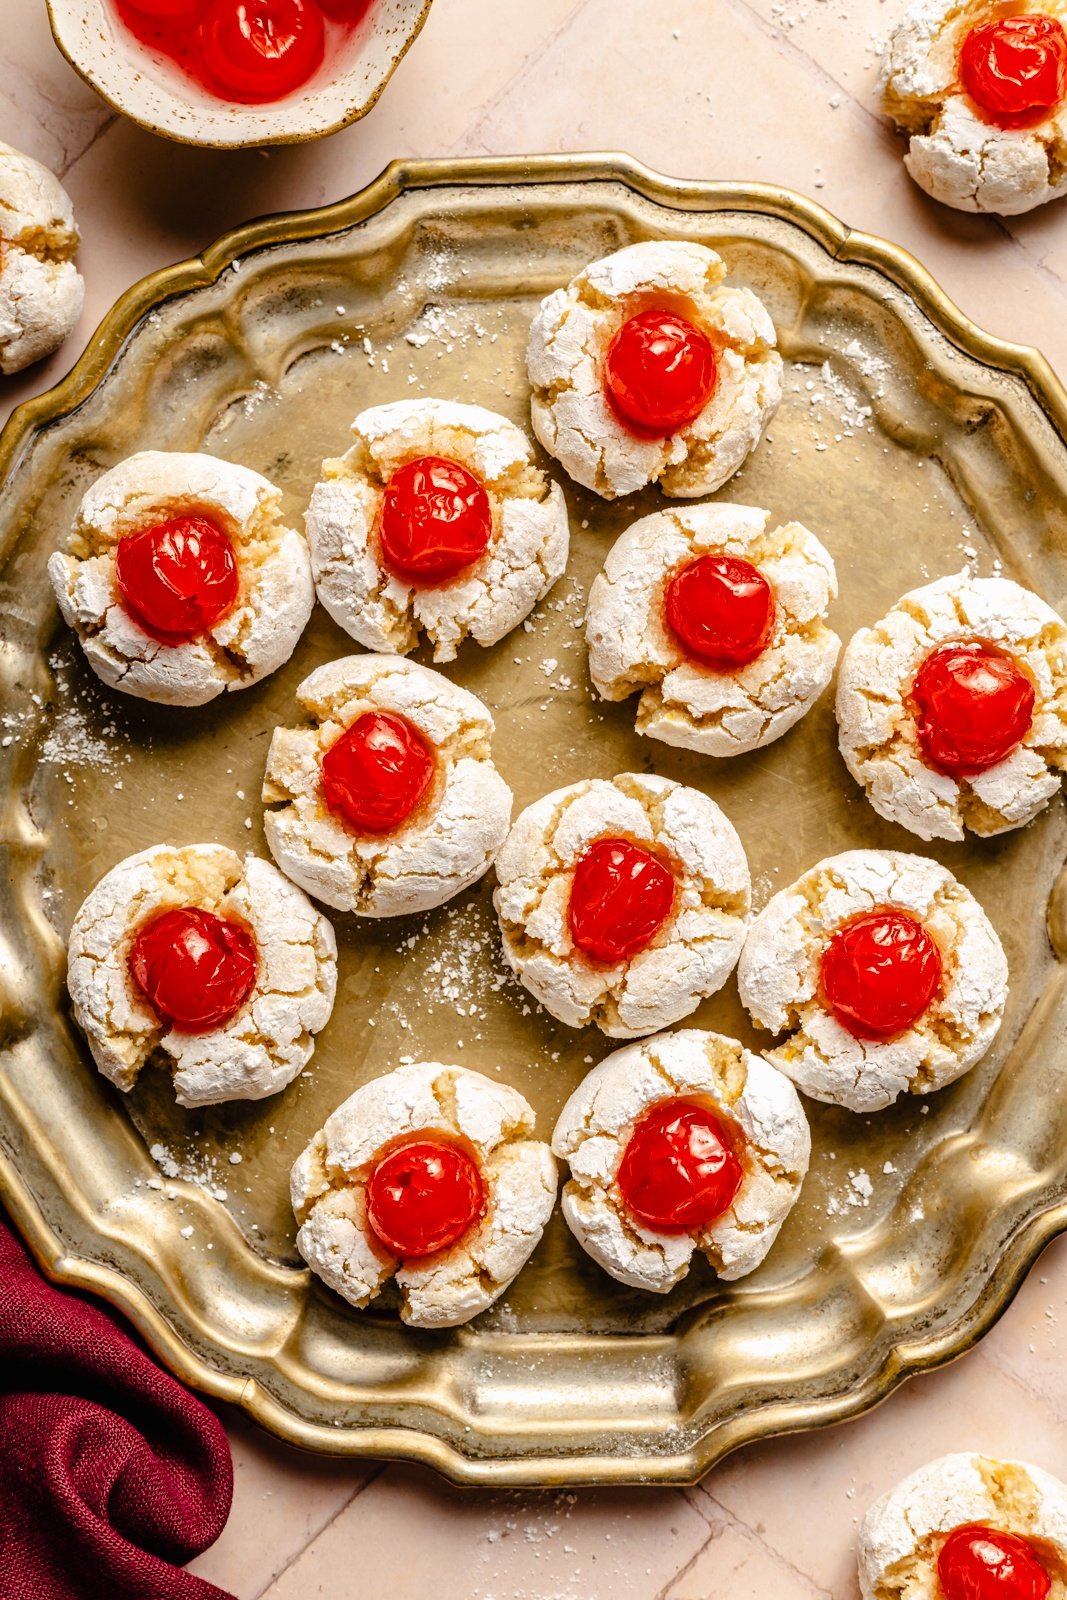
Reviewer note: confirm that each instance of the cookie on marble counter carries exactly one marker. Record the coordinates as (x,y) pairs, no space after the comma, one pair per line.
(436,521)
(216,968)
(41,290)
(181,580)
(883,971)
(430,1175)
(719,621)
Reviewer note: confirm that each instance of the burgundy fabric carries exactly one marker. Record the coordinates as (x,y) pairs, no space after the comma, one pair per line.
(111,1474)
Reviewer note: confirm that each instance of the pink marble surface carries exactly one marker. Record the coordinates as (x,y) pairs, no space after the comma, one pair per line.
(775,90)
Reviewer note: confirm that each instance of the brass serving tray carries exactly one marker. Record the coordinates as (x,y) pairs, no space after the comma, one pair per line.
(922,440)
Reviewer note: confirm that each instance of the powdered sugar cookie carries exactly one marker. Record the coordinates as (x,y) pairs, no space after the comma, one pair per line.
(622,902)
(982,96)
(387,801)
(719,621)
(431,1175)
(951,1529)
(680,1143)
(182,582)
(885,973)
(216,968)
(645,369)
(41,290)
(438,521)
(953,709)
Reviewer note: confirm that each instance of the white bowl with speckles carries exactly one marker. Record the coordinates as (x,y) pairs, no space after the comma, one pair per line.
(153,91)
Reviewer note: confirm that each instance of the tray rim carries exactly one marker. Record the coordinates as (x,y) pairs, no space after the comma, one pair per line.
(904,1359)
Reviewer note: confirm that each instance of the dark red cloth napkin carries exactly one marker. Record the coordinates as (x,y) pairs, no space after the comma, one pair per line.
(111,1474)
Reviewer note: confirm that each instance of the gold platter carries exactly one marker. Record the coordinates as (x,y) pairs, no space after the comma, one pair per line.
(911,443)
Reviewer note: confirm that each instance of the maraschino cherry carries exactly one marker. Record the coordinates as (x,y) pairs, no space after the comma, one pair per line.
(880,971)
(377,772)
(659,373)
(436,520)
(974,704)
(178,10)
(177,578)
(1015,68)
(979,1563)
(679,1170)
(194,968)
(262,49)
(424,1195)
(621,895)
(722,610)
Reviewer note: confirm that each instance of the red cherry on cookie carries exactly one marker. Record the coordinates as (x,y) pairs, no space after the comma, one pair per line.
(436,520)
(621,896)
(177,578)
(376,773)
(1015,68)
(974,704)
(679,1170)
(262,49)
(423,1196)
(880,971)
(722,610)
(659,373)
(195,969)
(979,1563)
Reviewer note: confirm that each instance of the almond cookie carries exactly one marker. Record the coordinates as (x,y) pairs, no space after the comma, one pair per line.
(182,582)
(680,1143)
(645,369)
(951,1529)
(438,521)
(953,709)
(622,902)
(719,622)
(884,972)
(431,1175)
(387,800)
(982,97)
(41,290)
(216,968)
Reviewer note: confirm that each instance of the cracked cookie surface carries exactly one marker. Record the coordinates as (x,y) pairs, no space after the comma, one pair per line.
(878,733)
(446,844)
(683,702)
(753,1100)
(778,979)
(695,949)
(41,290)
(269,1040)
(259,631)
(329,1192)
(569,338)
(527,550)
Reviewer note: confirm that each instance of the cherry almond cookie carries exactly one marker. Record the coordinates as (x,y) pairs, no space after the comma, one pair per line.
(622,902)
(437,521)
(953,708)
(182,582)
(429,1175)
(216,968)
(681,1143)
(41,290)
(883,972)
(719,621)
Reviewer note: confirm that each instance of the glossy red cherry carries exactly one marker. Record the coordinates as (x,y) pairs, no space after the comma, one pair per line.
(170,10)
(423,1196)
(979,1563)
(721,609)
(177,578)
(195,969)
(974,704)
(1015,68)
(621,896)
(344,10)
(262,49)
(880,971)
(376,773)
(659,373)
(679,1170)
(436,520)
